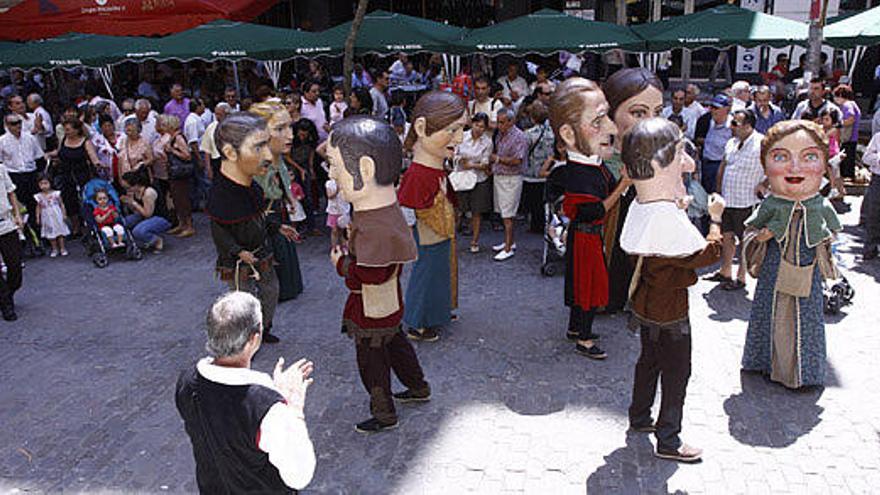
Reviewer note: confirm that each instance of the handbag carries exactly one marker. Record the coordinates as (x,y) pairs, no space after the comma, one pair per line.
(178,168)
(463,180)
(791,279)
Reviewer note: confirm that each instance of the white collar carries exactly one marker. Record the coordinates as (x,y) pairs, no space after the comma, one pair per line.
(233,376)
(661,229)
(577,157)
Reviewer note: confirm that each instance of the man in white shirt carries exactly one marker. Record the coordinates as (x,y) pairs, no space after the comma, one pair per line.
(483,103)
(248,429)
(676,107)
(313,109)
(398,68)
(15,104)
(377,93)
(742,95)
(230,96)
(10,246)
(208,146)
(739,179)
(43,128)
(193,130)
(512,84)
(19,152)
(691,104)
(147,117)
(127,111)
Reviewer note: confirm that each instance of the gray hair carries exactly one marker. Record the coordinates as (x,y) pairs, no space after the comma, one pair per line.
(231,321)
(143,102)
(235,128)
(649,140)
(36,98)
(133,120)
(507,112)
(226,107)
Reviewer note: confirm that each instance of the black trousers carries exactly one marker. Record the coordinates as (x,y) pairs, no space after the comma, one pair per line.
(533,205)
(581,321)
(375,363)
(848,164)
(25,189)
(666,355)
(10,249)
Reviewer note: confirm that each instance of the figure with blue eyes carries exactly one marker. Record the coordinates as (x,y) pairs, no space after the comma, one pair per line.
(788,250)
(438,121)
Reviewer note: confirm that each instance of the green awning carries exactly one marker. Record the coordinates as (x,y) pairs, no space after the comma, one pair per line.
(70,50)
(858,30)
(722,27)
(548,31)
(227,40)
(385,33)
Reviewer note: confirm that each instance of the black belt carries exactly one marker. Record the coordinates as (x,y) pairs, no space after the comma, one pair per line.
(589,228)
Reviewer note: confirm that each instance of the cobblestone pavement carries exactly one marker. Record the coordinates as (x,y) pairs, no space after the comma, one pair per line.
(88,374)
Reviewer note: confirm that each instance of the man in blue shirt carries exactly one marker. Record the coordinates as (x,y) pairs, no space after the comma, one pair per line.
(712,133)
(766,112)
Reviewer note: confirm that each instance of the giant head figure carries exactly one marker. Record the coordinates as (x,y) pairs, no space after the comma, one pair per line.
(438,121)
(795,155)
(633,94)
(579,116)
(365,157)
(243,142)
(655,155)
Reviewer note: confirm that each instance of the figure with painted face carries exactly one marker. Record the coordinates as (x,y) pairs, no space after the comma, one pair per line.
(669,250)
(438,121)
(580,119)
(240,227)
(365,155)
(633,95)
(276,188)
(790,254)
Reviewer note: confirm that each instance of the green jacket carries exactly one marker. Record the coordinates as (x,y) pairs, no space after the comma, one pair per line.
(775,214)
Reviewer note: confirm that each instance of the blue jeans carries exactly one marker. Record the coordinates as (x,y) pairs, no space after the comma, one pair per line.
(146,230)
(709,175)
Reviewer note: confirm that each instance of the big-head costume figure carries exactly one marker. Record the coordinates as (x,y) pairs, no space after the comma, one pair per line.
(790,254)
(669,249)
(365,155)
(240,228)
(579,117)
(438,120)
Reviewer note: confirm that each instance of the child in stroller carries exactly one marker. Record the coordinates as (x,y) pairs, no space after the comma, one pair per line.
(101,210)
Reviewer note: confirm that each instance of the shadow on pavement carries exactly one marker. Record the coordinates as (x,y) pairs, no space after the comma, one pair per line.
(728,305)
(624,467)
(767,414)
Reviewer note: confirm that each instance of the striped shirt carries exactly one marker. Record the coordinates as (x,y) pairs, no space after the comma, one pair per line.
(742,171)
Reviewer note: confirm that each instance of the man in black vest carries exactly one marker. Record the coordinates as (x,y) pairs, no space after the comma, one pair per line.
(247,429)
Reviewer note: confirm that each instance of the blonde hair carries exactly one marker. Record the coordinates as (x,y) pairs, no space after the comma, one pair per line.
(267,109)
(168,122)
(788,127)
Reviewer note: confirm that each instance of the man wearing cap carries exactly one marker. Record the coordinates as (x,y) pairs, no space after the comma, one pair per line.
(711,135)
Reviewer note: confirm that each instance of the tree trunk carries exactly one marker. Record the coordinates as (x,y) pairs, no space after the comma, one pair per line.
(348,54)
(814,48)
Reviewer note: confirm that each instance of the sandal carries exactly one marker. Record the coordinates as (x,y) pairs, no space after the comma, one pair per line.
(475,248)
(731,285)
(718,277)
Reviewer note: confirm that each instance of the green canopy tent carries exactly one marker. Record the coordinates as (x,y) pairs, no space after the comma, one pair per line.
(722,27)
(385,33)
(854,34)
(546,32)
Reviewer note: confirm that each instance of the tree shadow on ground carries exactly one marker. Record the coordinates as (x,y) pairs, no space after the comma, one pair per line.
(632,469)
(767,414)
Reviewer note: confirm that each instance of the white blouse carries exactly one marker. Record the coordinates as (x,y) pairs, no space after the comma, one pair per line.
(474,150)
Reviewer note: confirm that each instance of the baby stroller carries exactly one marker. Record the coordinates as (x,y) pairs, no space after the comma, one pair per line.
(96,243)
(31,242)
(556,224)
(839,293)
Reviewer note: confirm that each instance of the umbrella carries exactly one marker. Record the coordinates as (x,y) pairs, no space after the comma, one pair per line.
(858,30)
(722,27)
(385,32)
(39,19)
(548,31)
(72,49)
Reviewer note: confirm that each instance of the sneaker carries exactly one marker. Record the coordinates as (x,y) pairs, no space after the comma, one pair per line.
(504,255)
(53,254)
(373,425)
(269,338)
(592,352)
(64,252)
(685,453)
(499,247)
(647,428)
(423,334)
(732,285)
(410,396)
(475,248)
(717,277)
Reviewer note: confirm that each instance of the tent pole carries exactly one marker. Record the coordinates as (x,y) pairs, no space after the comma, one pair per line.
(235,73)
(685,53)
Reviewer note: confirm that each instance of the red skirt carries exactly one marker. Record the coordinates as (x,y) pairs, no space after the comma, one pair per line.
(589,282)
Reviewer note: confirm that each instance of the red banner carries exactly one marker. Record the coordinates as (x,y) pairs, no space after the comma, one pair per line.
(815,9)
(37,19)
